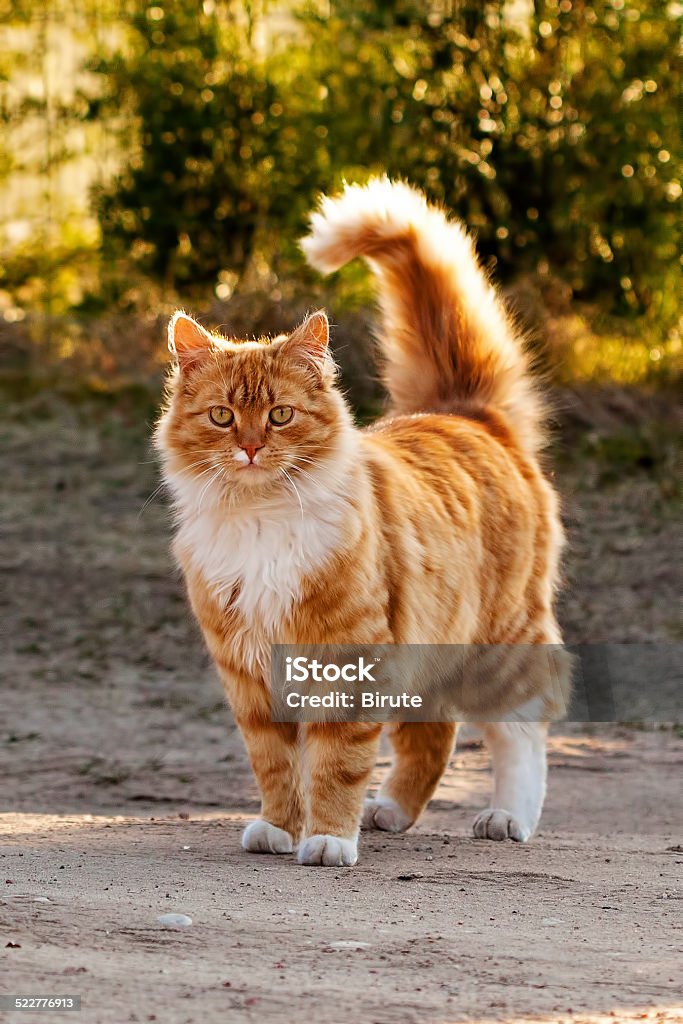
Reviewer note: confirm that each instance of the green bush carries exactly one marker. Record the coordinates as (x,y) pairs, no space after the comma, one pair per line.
(554,135)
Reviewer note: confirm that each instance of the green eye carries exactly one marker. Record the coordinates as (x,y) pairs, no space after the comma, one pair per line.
(221,416)
(281,414)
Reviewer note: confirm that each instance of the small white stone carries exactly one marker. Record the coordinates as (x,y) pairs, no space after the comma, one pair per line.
(551,920)
(175,920)
(348,944)
(23,897)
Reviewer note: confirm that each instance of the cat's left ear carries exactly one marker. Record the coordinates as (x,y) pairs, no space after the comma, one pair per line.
(308,342)
(187,340)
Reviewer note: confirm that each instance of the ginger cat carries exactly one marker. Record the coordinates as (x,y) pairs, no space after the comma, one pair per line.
(435,525)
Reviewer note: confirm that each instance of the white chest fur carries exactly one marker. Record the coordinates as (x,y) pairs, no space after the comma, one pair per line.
(258,557)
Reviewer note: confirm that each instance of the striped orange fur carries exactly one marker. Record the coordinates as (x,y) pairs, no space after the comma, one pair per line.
(434,526)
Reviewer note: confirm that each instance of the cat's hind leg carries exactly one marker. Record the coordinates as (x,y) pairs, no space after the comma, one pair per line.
(518,754)
(421,753)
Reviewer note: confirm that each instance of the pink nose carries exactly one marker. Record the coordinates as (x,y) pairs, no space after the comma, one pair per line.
(251,450)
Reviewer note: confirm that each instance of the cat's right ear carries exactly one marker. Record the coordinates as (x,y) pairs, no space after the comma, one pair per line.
(187,340)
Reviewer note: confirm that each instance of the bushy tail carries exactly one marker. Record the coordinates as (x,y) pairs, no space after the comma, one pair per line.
(447,341)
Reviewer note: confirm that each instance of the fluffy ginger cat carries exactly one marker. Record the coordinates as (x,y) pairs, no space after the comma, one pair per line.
(434,526)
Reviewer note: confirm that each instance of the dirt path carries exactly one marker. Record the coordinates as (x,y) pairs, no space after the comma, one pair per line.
(125,786)
(431,926)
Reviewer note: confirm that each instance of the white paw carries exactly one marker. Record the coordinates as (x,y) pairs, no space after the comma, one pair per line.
(332,851)
(494,823)
(262,837)
(384,813)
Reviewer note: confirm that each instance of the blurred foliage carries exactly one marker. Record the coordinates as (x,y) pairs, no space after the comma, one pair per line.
(554,135)
(187,205)
(550,126)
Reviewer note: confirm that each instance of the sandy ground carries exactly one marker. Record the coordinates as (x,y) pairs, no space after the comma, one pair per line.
(124,788)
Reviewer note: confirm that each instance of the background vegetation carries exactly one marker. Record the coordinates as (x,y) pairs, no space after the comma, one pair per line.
(158,153)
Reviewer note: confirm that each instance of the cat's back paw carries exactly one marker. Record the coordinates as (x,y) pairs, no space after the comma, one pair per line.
(330,851)
(385,814)
(262,837)
(495,823)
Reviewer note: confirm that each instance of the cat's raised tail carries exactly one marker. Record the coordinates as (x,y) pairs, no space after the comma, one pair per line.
(448,343)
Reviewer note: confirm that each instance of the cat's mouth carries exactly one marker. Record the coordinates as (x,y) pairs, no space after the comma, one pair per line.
(251,473)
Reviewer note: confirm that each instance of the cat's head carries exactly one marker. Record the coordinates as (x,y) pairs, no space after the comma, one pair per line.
(250,417)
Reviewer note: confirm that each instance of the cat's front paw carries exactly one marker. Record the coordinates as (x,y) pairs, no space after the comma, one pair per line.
(330,851)
(262,837)
(497,824)
(384,813)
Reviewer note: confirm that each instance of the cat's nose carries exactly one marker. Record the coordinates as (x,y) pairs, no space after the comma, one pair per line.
(251,450)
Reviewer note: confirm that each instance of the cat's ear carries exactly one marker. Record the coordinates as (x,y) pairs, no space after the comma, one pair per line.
(187,340)
(308,342)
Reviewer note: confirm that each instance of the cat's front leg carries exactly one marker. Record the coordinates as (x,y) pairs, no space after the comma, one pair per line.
(338,760)
(273,749)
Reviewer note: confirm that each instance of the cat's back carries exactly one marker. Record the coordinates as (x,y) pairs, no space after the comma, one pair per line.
(464,512)
(471,459)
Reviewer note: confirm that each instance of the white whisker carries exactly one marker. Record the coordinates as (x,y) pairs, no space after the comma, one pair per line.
(160,487)
(296,490)
(157,490)
(219,472)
